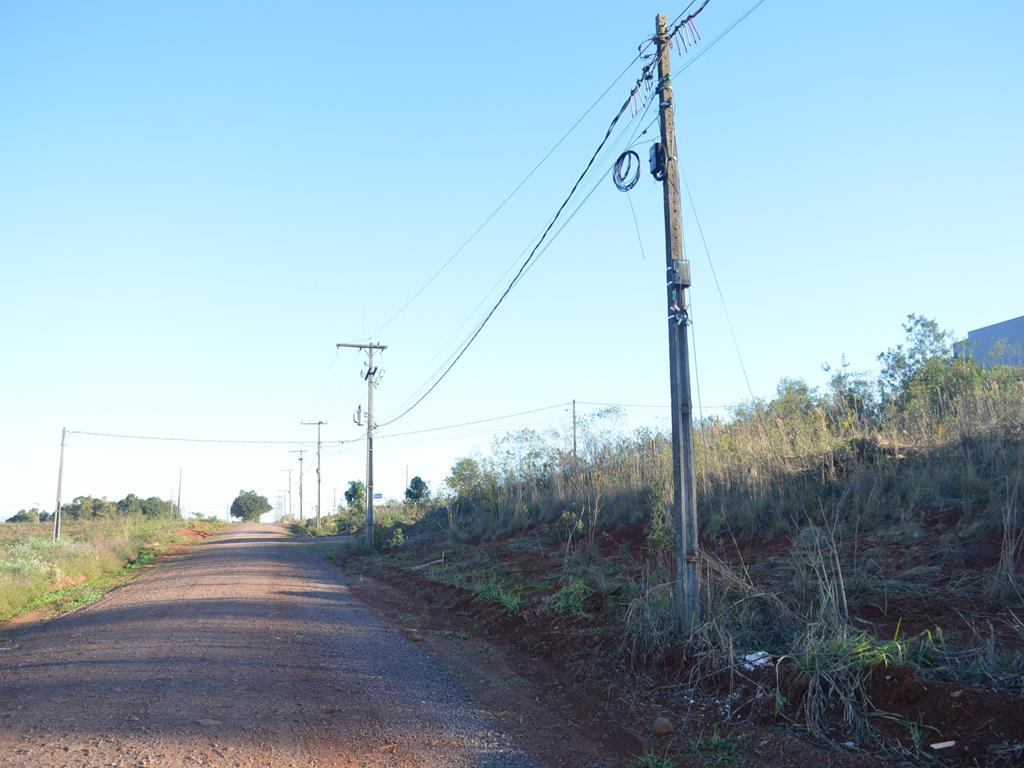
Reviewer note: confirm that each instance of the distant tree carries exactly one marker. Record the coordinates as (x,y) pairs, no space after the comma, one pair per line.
(925,341)
(90,508)
(355,495)
(249,505)
(465,478)
(418,491)
(463,484)
(130,505)
(79,507)
(794,399)
(852,395)
(25,516)
(157,507)
(103,508)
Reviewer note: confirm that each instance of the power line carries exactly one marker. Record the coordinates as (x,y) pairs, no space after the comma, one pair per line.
(609,152)
(721,296)
(478,421)
(675,21)
(642,82)
(720,35)
(502,277)
(639,405)
(529,259)
(718,285)
(515,190)
(188,439)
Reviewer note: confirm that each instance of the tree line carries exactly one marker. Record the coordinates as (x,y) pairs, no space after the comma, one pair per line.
(92,508)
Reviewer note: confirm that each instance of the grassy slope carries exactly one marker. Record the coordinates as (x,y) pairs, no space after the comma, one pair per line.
(36,572)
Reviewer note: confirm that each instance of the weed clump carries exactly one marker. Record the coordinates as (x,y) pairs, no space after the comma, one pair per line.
(571,598)
(492,592)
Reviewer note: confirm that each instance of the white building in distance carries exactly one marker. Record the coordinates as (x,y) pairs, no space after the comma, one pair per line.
(999,344)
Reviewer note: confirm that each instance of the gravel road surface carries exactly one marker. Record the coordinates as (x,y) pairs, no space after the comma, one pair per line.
(247,651)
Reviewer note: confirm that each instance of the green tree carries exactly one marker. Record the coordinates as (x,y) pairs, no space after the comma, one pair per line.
(25,516)
(249,505)
(90,508)
(418,491)
(925,341)
(465,479)
(80,507)
(355,495)
(852,395)
(130,505)
(157,507)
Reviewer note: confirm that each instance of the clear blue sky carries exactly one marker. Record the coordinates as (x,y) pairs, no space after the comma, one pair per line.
(198,200)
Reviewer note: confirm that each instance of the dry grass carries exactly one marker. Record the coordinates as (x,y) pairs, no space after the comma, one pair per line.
(35,570)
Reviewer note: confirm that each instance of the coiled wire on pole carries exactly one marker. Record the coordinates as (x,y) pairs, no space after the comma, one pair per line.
(626,172)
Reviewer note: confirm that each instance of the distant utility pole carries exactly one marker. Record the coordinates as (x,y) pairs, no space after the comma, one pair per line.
(317,424)
(180,470)
(289,471)
(371,383)
(684,503)
(60,480)
(300,452)
(574,429)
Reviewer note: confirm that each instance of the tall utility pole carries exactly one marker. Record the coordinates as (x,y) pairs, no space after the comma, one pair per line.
(180,470)
(684,503)
(371,383)
(317,424)
(289,471)
(60,481)
(300,452)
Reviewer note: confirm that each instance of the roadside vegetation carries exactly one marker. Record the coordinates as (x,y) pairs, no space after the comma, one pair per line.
(92,554)
(391,518)
(862,560)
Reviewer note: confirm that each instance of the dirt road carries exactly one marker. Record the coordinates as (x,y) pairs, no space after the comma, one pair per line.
(247,651)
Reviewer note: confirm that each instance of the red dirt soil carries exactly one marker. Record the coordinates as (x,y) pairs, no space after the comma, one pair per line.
(579,686)
(987,725)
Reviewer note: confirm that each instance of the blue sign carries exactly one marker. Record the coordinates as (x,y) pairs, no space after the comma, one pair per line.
(378,496)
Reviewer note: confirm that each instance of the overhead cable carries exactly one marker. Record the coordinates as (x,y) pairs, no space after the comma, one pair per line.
(474,423)
(190,439)
(719,36)
(515,190)
(626,172)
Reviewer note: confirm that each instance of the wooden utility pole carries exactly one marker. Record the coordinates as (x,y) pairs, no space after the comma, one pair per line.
(317,424)
(180,470)
(60,481)
(371,383)
(684,502)
(300,452)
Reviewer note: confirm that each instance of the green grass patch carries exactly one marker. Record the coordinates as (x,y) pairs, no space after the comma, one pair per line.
(492,592)
(715,749)
(571,598)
